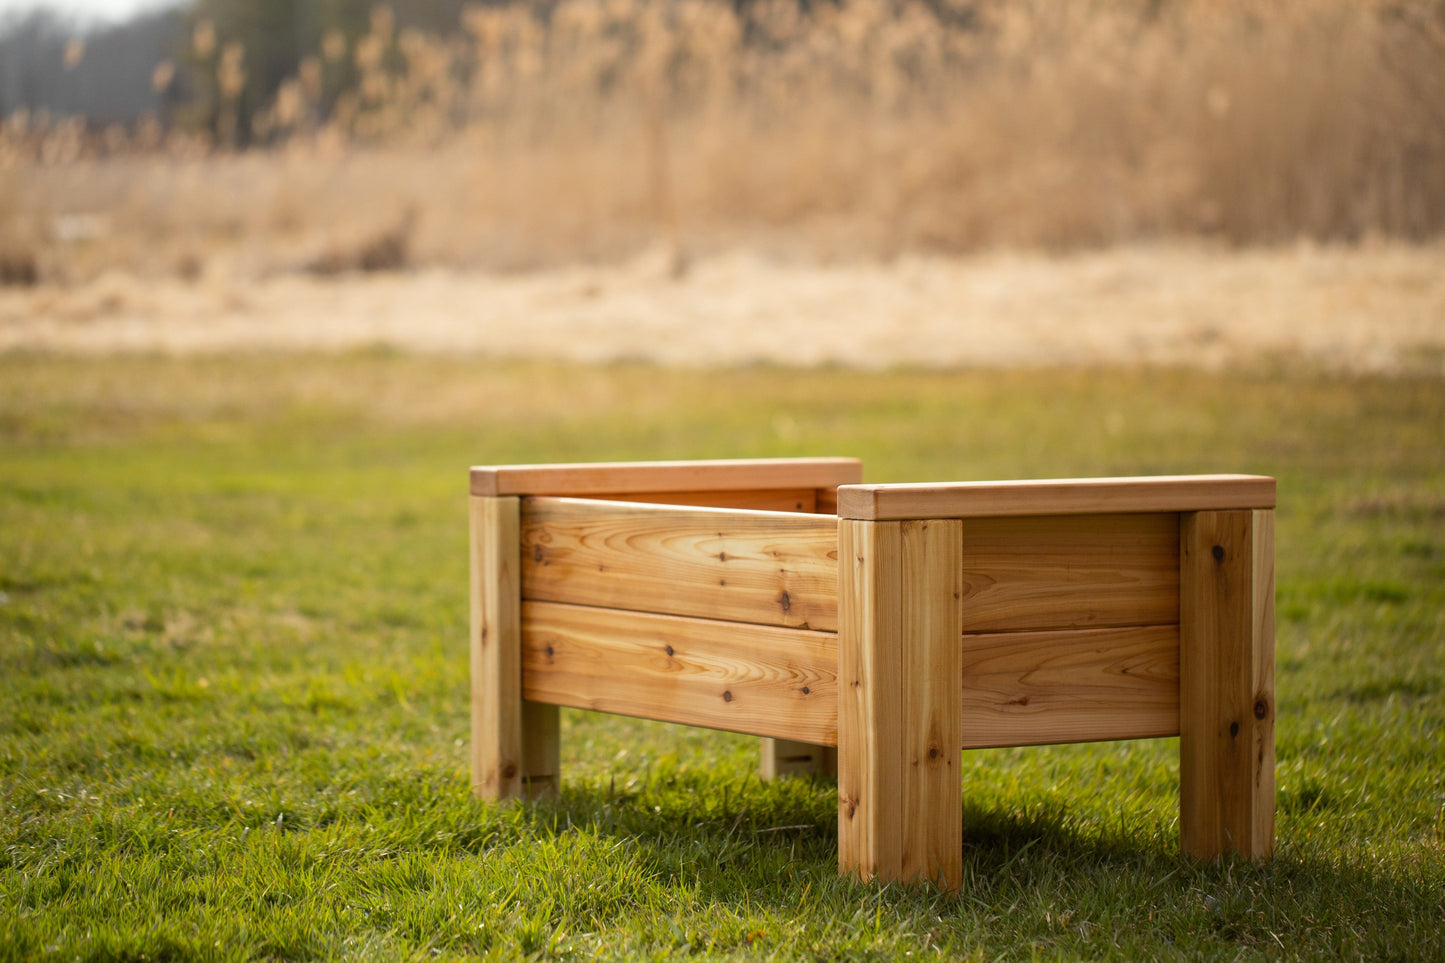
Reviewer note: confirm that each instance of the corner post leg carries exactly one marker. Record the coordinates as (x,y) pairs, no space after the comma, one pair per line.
(514,742)
(900,690)
(1226,683)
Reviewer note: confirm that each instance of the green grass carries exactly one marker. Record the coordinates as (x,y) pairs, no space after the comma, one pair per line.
(233,716)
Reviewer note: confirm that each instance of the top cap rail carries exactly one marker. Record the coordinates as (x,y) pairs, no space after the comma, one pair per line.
(741,474)
(1061,496)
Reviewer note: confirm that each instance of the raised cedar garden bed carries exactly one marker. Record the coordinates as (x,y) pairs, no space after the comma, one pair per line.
(880,630)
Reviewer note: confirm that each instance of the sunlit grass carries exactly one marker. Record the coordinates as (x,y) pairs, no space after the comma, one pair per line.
(233,721)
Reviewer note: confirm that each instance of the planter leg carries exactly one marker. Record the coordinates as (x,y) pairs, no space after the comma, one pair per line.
(784,757)
(900,691)
(514,742)
(1226,690)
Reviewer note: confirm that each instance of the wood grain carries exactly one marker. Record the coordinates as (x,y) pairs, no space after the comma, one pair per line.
(1074,571)
(495,649)
(900,802)
(1226,693)
(754,499)
(767,568)
(757,679)
(1039,688)
(1261,768)
(665,476)
(1068,496)
(515,749)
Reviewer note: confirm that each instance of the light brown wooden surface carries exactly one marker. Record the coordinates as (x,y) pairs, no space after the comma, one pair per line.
(753,499)
(757,679)
(665,476)
(1066,496)
(1072,571)
(1226,696)
(1039,688)
(515,748)
(1261,774)
(497,762)
(826,500)
(541,749)
(786,757)
(757,567)
(900,803)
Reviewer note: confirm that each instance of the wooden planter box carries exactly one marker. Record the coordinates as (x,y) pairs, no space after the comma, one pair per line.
(880,630)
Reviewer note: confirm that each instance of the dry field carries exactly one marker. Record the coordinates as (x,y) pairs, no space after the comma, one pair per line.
(975,182)
(1342,309)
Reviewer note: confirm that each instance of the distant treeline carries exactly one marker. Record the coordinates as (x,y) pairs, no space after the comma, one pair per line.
(164,64)
(106,74)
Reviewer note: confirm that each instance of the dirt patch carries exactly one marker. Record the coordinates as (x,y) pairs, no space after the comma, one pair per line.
(1374,309)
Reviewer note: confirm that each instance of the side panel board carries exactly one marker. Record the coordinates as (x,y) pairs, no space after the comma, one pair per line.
(1037,688)
(756,567)
(1070,572)
(758,679)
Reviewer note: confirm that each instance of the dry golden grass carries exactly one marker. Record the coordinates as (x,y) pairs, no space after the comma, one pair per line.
(871,128)
(1365,309)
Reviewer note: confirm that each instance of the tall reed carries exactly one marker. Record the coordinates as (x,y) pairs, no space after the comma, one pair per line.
(866,127)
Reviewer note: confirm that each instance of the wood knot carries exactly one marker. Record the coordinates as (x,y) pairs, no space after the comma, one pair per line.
(537,554)
(806,690)
(849,808)
(1218,552)
(786,601)
(1233,729)
(550,652)
(1261,709)
(727,695)
(933,752)
(669,651)
(509,771)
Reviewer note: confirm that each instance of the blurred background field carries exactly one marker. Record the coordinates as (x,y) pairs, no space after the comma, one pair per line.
(230,145)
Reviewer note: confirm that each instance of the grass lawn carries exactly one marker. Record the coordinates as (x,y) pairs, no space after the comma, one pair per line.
(233,717)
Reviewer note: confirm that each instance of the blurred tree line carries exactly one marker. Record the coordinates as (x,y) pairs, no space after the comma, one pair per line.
(209,66)
(106,74)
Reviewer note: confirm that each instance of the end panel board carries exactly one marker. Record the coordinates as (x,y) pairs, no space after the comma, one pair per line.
(757,679)
(1073,571)
(766,568)
(1040,688)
